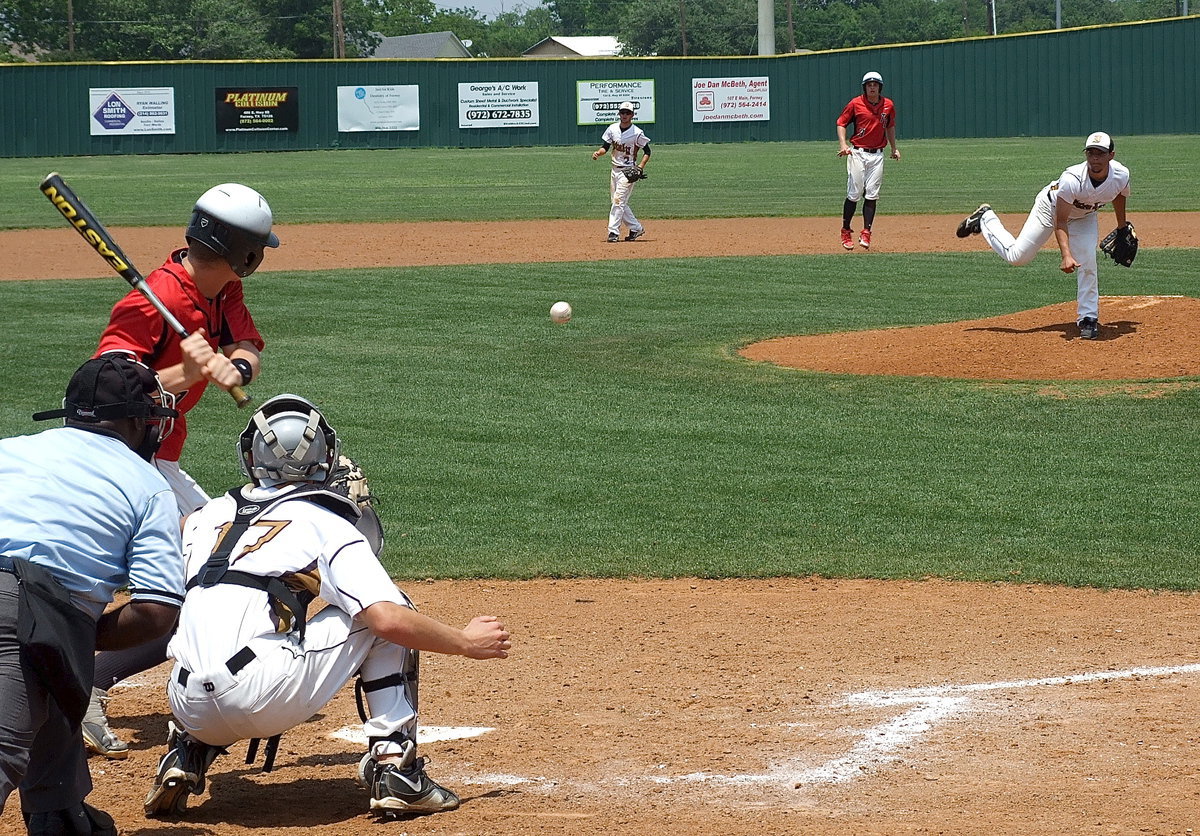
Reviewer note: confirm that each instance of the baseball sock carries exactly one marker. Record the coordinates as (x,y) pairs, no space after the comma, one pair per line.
(848,212)
(869,213)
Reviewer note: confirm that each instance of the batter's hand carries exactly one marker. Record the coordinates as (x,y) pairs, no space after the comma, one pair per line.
(895,153)
(200,361)
(844,151)
(488,638)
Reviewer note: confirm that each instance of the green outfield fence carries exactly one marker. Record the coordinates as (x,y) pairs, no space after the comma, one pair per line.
(1126,79)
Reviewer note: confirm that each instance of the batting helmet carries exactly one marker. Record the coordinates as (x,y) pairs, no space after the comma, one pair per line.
(873,76)
(233,221)
(288,440)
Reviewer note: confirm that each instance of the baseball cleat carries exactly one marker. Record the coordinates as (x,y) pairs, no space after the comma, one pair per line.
(864,240)
(1089,328)
(847,239)
(613,238)
(98,737)
(970,224)
(633,236)
(180,773)
(395,791)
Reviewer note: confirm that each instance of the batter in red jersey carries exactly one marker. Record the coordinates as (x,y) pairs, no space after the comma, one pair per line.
(874,120)
(201,285)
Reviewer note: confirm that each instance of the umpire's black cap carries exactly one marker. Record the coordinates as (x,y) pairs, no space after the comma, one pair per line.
(109,387)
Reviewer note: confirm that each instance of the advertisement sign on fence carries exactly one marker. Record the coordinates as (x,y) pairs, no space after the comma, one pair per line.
(739,99)
(132,110)
(597,101)
(500,104)
(257,109)
(379,108)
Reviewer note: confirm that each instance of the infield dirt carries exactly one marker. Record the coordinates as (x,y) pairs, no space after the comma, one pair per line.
(752,707)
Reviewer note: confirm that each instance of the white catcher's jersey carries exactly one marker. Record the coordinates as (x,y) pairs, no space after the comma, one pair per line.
(624,144)
(1075,187)
(307,545)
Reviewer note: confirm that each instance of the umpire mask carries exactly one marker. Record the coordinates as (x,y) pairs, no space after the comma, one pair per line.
(288,440)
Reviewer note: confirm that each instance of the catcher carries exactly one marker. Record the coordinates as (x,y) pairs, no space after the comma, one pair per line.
(1067,209)
(624,139)
(250,663)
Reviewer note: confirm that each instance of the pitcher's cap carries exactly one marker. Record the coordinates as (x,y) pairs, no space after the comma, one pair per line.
(1099,140)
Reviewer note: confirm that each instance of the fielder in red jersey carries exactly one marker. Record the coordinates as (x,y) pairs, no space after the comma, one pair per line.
(874,119)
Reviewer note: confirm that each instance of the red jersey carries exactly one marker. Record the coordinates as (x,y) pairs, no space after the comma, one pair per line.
(871,121)
(136,327)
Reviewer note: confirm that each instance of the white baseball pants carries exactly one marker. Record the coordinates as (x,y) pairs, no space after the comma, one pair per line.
(1083,234)
(188,494)
(620,189)
(864,174)
(287,683)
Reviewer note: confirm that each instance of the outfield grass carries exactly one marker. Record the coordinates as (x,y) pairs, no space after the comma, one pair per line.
(634,441)
(687,181)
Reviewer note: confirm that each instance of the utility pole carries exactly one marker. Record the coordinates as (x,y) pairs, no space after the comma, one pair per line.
(70,27)
(766,27)
(339,31)
(682,28)
(791,28)
(991,4)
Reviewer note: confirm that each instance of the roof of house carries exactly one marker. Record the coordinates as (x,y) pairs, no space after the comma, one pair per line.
(422,45)
(578,45)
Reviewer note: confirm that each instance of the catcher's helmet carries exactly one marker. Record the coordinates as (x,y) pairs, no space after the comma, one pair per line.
(873,76)
(233,221)
(288,440)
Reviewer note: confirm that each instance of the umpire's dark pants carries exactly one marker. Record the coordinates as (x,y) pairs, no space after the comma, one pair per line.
(40,752)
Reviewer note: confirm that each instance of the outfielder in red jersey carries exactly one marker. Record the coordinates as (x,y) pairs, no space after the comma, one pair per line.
(201,285)
(874,119)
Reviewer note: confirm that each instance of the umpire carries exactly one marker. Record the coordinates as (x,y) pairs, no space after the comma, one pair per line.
(82,513)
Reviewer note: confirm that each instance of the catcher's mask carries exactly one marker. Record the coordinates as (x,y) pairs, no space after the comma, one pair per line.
(234,221)
(872,76)
(288,440)
(114,386)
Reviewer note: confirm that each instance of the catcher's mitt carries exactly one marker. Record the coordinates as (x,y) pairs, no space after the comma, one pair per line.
(349,480)
(634,173)
(1121,245)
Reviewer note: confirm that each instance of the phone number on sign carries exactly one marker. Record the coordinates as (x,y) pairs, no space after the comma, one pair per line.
(524,113)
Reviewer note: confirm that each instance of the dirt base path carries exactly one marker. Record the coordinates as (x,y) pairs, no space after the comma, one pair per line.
(59,252)
(751,707)
(800,706)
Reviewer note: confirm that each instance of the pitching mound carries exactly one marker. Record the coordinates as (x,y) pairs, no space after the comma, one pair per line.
(1142,338)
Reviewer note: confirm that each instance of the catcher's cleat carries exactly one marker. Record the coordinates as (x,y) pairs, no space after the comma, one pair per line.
(864,240)
(613,238)
(847,239)
(401,786)
(633,236)
(1089,328)
(98,737)
(180,773)
(970,224)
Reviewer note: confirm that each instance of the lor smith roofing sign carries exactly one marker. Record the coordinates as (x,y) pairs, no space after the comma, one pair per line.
(132,110)
(242,109)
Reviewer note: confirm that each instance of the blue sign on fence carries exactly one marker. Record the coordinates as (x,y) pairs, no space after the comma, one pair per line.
(114,114)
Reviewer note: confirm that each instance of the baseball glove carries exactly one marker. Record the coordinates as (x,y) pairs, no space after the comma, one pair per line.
(349,480)
(1121,245)
(634,173)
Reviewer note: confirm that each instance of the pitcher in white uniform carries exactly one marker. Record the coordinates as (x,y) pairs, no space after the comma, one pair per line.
(1066,209)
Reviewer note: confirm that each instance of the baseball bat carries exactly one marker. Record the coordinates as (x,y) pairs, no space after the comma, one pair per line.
(79,216)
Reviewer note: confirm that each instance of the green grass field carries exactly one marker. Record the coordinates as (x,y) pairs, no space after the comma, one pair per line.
(687,181)
(634,441)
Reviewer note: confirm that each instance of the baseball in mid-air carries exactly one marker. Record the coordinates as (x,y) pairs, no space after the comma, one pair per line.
(560,312)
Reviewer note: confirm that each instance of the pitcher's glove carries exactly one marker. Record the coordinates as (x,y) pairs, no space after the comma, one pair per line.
(1121,245)
(634,173)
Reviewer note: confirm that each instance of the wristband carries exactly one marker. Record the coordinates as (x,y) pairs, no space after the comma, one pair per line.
(243,366)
